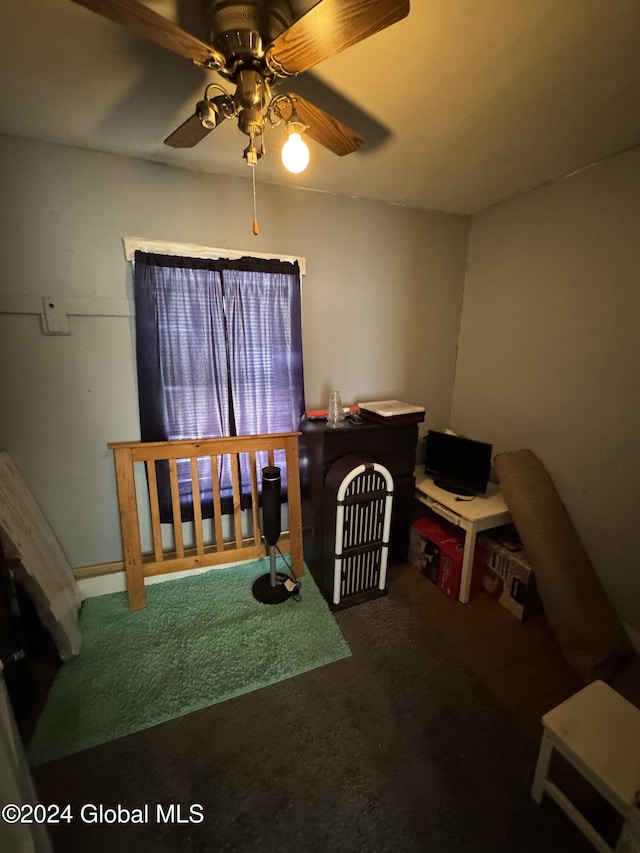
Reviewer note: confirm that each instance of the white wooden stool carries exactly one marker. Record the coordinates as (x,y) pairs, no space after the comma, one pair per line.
(598,732)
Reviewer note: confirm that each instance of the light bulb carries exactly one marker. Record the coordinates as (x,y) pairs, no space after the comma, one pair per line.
(295,153)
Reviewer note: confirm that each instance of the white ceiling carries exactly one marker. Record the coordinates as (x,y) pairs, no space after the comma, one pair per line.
(462,104)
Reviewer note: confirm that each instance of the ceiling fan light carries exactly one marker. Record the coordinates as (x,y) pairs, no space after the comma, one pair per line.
(295,154)
(208,114)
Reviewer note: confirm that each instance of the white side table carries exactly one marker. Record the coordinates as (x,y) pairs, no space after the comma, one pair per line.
(598,732)
(473,516)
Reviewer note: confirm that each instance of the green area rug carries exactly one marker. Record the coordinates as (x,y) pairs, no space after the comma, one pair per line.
(200,640)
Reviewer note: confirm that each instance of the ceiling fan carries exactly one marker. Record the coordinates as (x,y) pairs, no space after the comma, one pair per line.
(253,44)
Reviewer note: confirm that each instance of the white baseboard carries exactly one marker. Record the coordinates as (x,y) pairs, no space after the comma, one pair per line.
(110,577)
(103,585)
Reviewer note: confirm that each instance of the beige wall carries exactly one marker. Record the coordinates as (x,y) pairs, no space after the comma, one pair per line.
(381,307)
(549,352)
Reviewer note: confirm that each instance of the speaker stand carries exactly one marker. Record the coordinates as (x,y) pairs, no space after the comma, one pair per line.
(270,588)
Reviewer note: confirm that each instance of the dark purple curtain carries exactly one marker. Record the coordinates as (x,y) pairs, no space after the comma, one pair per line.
(219,352)
(265,356)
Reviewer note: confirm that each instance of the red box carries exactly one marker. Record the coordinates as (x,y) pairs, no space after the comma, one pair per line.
(440,547)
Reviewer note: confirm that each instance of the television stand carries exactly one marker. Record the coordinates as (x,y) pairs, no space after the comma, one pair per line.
(483,513)
(456,490)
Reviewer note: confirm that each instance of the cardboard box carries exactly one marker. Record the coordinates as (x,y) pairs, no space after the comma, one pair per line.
(509,577)
(436,548)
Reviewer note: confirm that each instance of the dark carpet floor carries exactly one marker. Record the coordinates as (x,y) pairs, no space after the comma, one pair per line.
(397,748)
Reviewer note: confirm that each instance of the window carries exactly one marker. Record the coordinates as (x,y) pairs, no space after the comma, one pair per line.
(219,352)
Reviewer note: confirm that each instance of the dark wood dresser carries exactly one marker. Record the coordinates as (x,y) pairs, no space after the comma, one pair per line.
(320,447)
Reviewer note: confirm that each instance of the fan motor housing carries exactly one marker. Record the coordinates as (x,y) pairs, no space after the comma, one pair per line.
(241,31)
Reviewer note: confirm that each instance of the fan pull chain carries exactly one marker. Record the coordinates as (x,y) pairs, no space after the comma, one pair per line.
(256,227)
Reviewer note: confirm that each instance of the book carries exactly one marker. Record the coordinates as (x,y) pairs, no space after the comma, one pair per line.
(391,408)
(392,412)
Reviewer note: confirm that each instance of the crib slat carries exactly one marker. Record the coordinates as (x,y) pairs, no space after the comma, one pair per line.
(235,484)
(197,505)
(155,509)
(254,498)
(217,508)
(175,506)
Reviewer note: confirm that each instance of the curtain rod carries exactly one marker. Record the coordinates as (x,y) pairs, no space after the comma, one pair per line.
(192,250)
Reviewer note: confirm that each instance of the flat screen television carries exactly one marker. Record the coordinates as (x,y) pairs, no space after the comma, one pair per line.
(458,464)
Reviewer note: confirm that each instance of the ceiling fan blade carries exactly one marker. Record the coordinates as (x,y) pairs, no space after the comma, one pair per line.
(188,134)
(328,28)
(154,27)
(323,128)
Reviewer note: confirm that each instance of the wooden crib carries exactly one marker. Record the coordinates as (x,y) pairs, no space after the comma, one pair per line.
(194,544)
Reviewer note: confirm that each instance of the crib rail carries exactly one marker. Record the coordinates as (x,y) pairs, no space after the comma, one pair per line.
(187,545)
